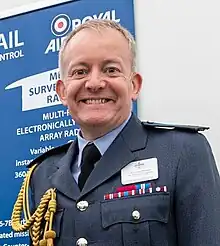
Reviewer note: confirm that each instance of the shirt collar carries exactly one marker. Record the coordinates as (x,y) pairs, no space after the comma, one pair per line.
(103,142)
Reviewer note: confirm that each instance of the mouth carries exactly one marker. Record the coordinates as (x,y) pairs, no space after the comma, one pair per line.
(95,100)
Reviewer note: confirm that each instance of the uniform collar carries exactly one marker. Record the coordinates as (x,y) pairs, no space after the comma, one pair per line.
(103,142)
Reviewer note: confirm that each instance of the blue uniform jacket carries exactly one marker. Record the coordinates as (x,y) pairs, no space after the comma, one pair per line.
(187,213)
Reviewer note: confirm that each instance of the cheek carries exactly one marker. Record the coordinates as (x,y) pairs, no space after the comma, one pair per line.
(72,90)
(128,91)
(122,88)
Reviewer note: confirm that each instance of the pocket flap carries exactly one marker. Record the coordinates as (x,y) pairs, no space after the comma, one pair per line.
(149,207)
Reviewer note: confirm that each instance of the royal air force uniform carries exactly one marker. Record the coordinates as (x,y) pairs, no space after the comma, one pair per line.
(155,185)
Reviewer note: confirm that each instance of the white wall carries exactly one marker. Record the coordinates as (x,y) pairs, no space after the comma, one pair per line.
(179,58)
(12,7)
(5,5)
(15,4)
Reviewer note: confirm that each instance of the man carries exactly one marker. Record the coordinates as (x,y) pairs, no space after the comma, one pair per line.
(138,183)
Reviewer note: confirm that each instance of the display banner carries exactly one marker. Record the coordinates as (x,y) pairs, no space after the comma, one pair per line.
(33,120)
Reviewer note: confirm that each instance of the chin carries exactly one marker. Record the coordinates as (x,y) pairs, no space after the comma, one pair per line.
(95,120)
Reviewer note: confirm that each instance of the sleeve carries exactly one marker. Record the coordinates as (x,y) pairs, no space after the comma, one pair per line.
(197,194)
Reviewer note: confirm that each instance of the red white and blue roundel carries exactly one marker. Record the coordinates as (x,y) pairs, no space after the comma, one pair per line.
(60,25)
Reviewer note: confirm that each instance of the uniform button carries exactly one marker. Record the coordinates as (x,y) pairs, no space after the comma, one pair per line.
(82,205)
(136,215)
(81,242)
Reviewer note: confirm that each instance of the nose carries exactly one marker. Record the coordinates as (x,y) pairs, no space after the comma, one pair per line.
(95,81)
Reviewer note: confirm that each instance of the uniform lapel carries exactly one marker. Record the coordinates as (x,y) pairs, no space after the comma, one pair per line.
(63,179)
(121,152)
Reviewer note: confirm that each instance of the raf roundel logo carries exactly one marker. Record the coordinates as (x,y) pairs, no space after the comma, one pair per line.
(60,25)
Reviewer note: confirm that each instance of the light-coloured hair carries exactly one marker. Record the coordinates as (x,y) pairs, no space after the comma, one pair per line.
(98,25)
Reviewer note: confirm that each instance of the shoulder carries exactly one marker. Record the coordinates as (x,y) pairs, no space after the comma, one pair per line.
(182,136)
(49,156)
(176,127)
(188,140)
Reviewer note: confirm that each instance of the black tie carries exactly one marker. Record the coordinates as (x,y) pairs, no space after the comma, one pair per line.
(90,156)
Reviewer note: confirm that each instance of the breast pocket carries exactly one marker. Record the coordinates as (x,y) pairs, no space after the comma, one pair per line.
(135,214)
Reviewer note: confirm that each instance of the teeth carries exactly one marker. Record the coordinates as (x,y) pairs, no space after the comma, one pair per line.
(95,101)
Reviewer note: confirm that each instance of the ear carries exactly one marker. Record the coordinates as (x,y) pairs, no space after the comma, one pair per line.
(136,85)
(61,91)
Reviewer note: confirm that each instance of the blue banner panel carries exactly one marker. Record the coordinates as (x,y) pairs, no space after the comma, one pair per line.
(32,117)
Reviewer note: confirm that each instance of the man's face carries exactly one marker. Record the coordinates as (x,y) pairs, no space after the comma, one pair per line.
(98,85)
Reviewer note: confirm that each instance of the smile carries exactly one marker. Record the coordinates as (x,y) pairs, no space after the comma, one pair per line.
(96,101)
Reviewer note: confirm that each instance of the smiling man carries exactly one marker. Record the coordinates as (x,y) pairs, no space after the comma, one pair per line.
(98,80)
(122,181)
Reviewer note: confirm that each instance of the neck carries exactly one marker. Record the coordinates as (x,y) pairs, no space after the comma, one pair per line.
(94,132)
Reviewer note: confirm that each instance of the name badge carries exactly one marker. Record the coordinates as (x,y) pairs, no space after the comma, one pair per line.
(139,171)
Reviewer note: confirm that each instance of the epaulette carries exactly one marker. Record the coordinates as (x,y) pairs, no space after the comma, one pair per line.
(53,151)
(189,128)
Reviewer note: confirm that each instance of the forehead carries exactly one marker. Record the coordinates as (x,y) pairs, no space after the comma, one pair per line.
(100,44)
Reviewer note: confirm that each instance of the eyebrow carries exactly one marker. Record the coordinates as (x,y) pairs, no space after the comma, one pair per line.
(107,61)
(84,64)
(77,64)
(72,65)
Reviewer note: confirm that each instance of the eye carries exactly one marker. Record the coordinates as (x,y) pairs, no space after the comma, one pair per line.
(80,73)
(112,71)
